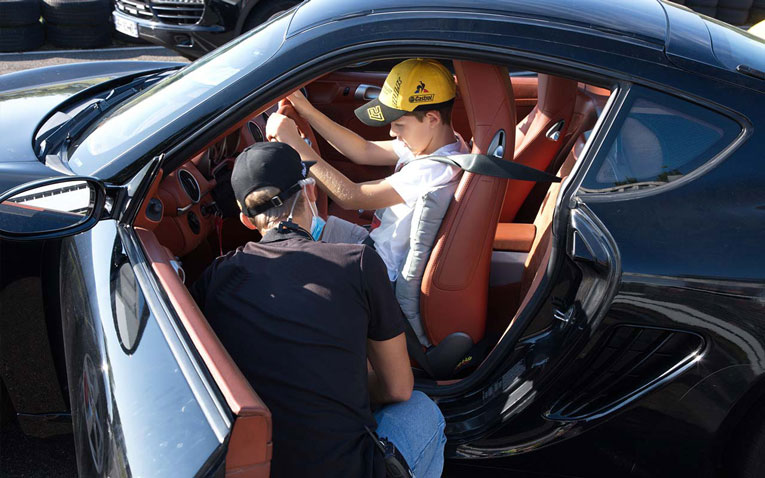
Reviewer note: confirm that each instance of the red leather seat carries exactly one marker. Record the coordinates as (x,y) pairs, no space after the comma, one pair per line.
(454,290)
(555,103)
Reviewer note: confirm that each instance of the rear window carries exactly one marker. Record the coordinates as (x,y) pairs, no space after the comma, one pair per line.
(659,140)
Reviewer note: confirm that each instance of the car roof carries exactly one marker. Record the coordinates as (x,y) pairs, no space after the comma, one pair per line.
(642,19)
(706,40)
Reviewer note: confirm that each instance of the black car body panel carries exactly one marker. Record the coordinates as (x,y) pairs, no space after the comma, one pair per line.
(31,330)
(671,274)
(32,96)
(642,20)
(703,45)
(142,406)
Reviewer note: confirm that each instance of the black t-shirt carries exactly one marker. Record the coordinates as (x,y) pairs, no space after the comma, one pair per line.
(295,316)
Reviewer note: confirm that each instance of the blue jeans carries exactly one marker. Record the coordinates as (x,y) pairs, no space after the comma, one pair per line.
(416,427)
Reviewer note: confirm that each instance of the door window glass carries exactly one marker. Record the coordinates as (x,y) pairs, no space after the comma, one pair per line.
(659,140)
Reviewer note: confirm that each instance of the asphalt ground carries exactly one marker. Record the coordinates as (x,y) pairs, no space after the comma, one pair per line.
(30,457)
(10,62)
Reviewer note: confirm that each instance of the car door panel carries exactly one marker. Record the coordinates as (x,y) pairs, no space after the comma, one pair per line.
(249,448)
(141,403)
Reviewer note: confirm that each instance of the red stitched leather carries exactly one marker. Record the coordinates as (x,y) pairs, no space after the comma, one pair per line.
(557,98)
(454,291)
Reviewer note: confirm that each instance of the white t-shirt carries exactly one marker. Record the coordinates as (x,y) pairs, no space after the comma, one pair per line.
(410,181)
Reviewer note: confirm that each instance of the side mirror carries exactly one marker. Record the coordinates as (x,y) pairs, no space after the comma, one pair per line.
(51,208)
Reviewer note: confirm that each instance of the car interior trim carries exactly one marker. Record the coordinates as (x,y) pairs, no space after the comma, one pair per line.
(516,237)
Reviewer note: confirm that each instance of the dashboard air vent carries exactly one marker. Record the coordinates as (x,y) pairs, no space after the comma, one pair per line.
(190,185)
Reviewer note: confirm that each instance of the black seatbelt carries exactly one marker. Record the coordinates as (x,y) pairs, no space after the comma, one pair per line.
(414,347)
(493,166)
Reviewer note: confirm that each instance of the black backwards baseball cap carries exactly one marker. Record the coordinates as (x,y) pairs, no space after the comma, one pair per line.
(263,165)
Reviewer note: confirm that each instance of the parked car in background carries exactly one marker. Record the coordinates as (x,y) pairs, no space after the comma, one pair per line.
(621,307)
(193,27)
(735,12)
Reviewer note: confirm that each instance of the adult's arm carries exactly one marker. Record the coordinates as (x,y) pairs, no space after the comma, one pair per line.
(390,374)
(347,142)
(349,195)
(390,379)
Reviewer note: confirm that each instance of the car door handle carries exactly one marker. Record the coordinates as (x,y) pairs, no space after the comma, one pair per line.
(366,92)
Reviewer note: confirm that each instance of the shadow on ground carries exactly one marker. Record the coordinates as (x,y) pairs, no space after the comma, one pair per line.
(28,457)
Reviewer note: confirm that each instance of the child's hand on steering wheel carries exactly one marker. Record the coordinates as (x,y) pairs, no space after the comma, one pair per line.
(299,101)
(283,129)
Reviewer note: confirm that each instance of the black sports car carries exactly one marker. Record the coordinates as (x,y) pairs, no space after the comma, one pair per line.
(617,315)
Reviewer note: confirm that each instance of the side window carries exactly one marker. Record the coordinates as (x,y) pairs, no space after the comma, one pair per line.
(659,140)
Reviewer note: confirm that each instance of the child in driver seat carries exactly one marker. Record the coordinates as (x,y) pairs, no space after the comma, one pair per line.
(416,101)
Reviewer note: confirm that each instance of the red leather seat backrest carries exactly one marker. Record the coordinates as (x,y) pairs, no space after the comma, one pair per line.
(556,101)
(454,289)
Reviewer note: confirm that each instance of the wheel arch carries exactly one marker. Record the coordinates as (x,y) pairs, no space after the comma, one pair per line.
(730,434)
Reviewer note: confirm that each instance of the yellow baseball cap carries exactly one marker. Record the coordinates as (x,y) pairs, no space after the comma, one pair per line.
(411,84)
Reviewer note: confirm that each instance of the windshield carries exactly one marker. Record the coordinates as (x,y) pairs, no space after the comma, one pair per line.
(147,113)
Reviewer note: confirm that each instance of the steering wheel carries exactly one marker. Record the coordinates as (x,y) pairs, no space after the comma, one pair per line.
(304,128)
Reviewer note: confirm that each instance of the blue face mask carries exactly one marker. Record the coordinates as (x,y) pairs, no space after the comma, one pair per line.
(317,226)
(317,223)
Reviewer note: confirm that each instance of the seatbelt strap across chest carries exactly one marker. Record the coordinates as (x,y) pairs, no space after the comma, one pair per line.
(492,166)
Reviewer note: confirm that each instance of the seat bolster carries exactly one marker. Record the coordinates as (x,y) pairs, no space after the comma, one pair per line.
(455,288)
(558,96)
(487,94)
(454,291)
